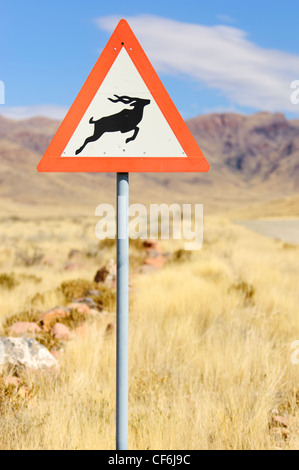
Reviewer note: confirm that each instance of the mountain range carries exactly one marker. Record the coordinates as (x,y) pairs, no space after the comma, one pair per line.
(253,159)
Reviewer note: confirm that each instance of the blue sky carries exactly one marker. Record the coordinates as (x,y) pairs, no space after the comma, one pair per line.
(211,56)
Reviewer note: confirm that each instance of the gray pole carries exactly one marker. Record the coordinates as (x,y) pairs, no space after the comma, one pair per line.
(122,311)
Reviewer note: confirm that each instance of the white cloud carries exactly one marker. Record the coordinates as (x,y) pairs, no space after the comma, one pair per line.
(26,112)
(219,57)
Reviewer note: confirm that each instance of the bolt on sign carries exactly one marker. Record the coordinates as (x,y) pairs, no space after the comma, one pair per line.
(123,119)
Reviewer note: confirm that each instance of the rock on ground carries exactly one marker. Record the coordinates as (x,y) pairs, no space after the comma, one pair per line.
(80,308)
(157,262)
(60,331)
(21,328)
(25,352)
(72,266)
(46,318)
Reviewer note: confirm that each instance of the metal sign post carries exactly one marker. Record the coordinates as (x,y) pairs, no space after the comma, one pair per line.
(122,311)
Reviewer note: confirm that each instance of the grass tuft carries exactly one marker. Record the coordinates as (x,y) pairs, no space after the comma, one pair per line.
(8,281)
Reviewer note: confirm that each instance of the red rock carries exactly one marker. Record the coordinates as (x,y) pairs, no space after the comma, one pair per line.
(72,266)
(46,318)
(60,331)
(21,328)
(80,308)
(155,262)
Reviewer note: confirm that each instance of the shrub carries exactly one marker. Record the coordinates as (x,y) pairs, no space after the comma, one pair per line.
(76,288)
(8,281)
(246,289)
(181,256)
(30,316)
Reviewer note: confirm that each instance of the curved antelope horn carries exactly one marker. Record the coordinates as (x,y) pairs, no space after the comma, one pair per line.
(122,99)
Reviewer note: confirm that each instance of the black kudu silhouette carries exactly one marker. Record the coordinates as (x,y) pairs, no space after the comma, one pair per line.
(124,121)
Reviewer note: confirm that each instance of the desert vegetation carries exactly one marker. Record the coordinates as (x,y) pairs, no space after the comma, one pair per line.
(210,339)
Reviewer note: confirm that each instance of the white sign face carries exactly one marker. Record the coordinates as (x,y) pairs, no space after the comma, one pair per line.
(123,120)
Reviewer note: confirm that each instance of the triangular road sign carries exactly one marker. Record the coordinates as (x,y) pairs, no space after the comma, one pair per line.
(123,119)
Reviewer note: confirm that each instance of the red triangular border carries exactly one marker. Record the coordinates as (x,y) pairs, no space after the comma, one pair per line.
(52,161)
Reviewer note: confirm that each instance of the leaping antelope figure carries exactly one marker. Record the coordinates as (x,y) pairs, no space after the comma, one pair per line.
(125,121)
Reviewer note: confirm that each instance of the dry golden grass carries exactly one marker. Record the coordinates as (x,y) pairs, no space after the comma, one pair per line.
(210,345)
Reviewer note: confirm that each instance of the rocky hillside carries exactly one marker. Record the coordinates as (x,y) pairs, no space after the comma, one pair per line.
(257,148)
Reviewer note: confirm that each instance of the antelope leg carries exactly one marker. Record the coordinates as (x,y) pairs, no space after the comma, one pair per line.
(136,130)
